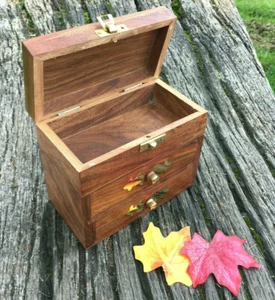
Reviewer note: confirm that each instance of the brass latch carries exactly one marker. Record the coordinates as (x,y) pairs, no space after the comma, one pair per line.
(153,143)
(109,26)
(150,203)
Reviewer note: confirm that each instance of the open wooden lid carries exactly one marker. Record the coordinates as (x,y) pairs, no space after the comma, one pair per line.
(70,68)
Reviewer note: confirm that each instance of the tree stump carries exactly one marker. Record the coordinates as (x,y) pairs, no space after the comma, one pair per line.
(211,60)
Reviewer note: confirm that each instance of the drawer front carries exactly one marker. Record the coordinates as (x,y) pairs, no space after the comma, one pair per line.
(127,186)
(107,223)
(110,167)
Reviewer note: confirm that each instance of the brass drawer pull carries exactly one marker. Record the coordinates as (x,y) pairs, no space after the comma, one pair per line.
(151,203)
(153,177)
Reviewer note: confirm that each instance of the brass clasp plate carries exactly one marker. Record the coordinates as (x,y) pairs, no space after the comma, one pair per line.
(153,143)
(109,26)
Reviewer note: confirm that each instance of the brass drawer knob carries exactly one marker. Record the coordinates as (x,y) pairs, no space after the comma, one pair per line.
(151,203)
(153,177)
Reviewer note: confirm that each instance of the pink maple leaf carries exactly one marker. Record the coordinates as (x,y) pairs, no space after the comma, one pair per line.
(221,257)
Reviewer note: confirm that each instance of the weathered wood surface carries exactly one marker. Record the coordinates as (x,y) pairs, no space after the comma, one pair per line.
(211,60)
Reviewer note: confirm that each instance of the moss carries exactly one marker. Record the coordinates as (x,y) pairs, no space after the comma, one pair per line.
(61,20)
(177,9)
(28,18)
(229,159)
(207,219)
(110,8)
(87,18)
(254,233)
(201,291)
(236,173)
(226,89)
(197,53)
(188,36)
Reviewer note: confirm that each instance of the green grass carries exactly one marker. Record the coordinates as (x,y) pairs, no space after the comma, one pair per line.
(259,17)
(262,10)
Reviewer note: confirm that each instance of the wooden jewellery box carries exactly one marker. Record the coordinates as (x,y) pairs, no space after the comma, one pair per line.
(115,140)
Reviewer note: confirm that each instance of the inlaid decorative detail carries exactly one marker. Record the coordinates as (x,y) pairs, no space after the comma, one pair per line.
(162,168)
(138,181)
(160,194)
(135,209)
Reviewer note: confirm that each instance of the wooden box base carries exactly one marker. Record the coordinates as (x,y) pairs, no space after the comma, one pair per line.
(115,140)
(89,156)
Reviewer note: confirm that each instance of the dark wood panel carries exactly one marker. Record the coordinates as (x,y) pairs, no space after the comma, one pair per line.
(79,121)
(79,66)
(92,93)
(107,223)
(182,133)
(172,101)
(62,41)
(87,68)
(109,135)
(63,187)
(106,198)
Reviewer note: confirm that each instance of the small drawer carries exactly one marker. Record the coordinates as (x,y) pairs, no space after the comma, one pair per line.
(107,223)
(127,186)
(113,165)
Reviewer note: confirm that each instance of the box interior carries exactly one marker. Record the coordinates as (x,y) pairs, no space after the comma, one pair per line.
(104,127)
(93,72)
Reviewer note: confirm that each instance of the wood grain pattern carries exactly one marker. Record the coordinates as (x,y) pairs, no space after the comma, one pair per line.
(104,199)
(127,158)
(97,140)
(110,221)
(96,113)
(62,43)
(60,146)
(177,103)
(92,94)
(108,66)
(34,85)
(106,127)
(63,187)
(87,67)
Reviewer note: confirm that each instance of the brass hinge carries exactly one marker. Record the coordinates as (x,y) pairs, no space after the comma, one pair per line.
(67,111)
(133,87)
(109,26)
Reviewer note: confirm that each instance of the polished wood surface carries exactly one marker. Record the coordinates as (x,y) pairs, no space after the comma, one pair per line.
(83,37)
(127,158)
(63,187)
(106,198)
(109,135)
(99,145)
(91,153)
(71,78)
(77,67)
(34,85)
(96,113)
(109,222)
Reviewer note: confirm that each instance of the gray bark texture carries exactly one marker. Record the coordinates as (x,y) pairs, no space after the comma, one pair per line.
(211,60)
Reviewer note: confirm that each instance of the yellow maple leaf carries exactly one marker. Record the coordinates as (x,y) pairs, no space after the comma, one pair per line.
(130,185)
(158,251)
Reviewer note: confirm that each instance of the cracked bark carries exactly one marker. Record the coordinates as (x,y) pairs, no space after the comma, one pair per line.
(211,60)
